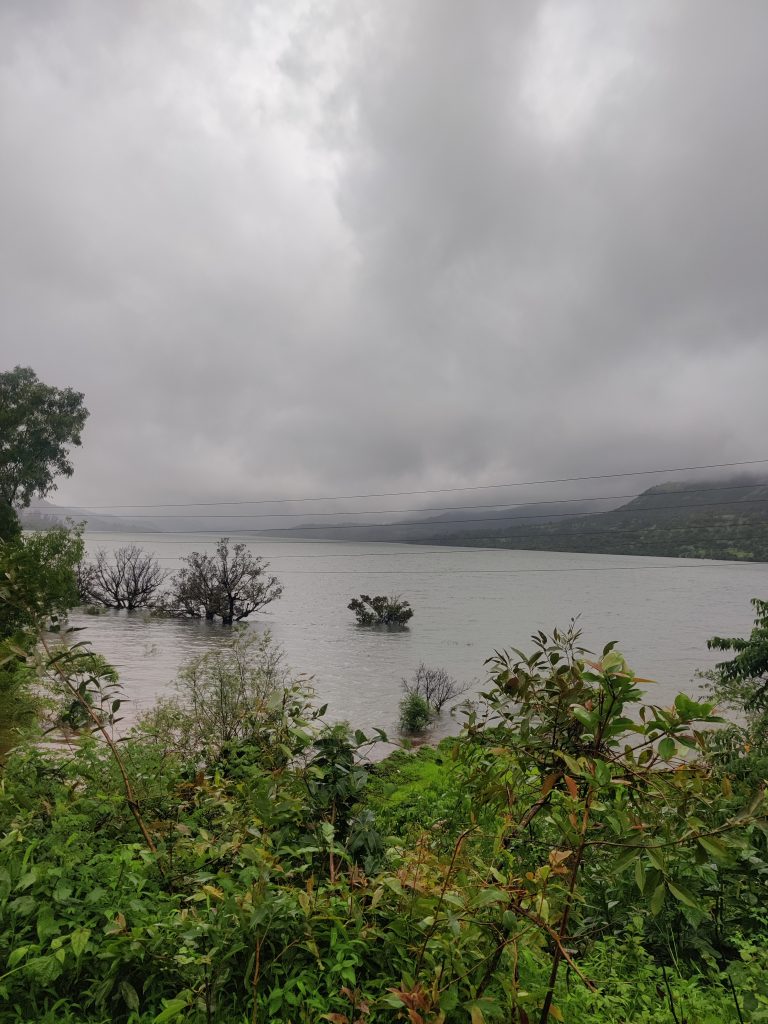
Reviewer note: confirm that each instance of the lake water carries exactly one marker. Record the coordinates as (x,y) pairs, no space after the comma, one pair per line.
(467,602)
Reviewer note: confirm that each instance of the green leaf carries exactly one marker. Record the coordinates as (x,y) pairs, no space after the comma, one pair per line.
(488,896)
(625,859)
(587,718)
(640,875)
(79,940)
(130,995)
(657,900)
(602,773)
(667,748)
(17,954)
(655,858)
(683,895)
(46,924)
(573,765)
(171,1008)
(715,848)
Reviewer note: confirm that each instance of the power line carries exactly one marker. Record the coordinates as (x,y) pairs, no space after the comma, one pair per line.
(486,519)
(441,490)
(429,508)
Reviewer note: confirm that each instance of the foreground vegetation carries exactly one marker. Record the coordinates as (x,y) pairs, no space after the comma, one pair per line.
(572,855)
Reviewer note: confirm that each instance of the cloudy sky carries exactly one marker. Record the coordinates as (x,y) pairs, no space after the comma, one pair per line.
(308,246)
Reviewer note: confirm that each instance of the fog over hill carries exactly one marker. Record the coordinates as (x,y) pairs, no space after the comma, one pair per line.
(696,519)
(707,518)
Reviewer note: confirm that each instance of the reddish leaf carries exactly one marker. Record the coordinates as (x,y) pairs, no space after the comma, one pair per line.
(573,789)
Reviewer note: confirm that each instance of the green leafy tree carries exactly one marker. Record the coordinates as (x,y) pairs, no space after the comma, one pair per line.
(38,584)
(381,610)
(37,424)
(37,588)
(742,682)
(415,714)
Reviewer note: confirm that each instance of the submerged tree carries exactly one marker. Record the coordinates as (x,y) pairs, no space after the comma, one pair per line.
(37,423)
(231,584)
(380,610)
(434,686)
(130,578)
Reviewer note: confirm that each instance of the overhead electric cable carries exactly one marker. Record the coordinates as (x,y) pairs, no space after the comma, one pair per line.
(426,508)
(450,522)
(442,490)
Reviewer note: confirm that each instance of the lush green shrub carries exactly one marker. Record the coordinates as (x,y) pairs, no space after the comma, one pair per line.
(380,611)
(223,698)
(415,714)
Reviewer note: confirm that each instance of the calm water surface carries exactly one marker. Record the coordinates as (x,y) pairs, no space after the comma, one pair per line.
(467,602)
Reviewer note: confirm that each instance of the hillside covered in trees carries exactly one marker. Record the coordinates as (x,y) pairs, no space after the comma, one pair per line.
(685,520)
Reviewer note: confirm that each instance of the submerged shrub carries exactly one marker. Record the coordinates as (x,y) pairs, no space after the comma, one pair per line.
(223,697)
(415,714)
(381,610)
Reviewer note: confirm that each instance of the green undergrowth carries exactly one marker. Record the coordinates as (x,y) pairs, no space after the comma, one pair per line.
(236,859)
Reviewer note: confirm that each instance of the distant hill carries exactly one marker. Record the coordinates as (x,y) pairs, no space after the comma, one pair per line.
(43,515)
(421,525)
(705,519)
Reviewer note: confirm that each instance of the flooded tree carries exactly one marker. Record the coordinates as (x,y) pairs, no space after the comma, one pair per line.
(230,584)
(434,685)
(380,610)
(129,578)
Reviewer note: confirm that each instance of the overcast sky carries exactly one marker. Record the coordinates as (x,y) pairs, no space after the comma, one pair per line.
(289,248)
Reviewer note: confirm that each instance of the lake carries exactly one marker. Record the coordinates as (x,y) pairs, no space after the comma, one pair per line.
(467,603)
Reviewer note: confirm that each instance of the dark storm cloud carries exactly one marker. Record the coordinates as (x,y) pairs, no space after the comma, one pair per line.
(317,247)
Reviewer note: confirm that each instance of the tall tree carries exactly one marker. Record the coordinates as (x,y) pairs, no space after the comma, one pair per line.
(37,424)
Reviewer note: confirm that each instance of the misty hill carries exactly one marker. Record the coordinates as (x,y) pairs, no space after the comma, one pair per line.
(417,526)
(42,515)
(702,519)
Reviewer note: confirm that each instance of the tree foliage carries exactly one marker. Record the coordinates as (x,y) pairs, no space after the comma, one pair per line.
(380,610)
(37,424)
(415,714)
(37,588)
(38,584)
(230,584)
(223,699)
(743,680)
